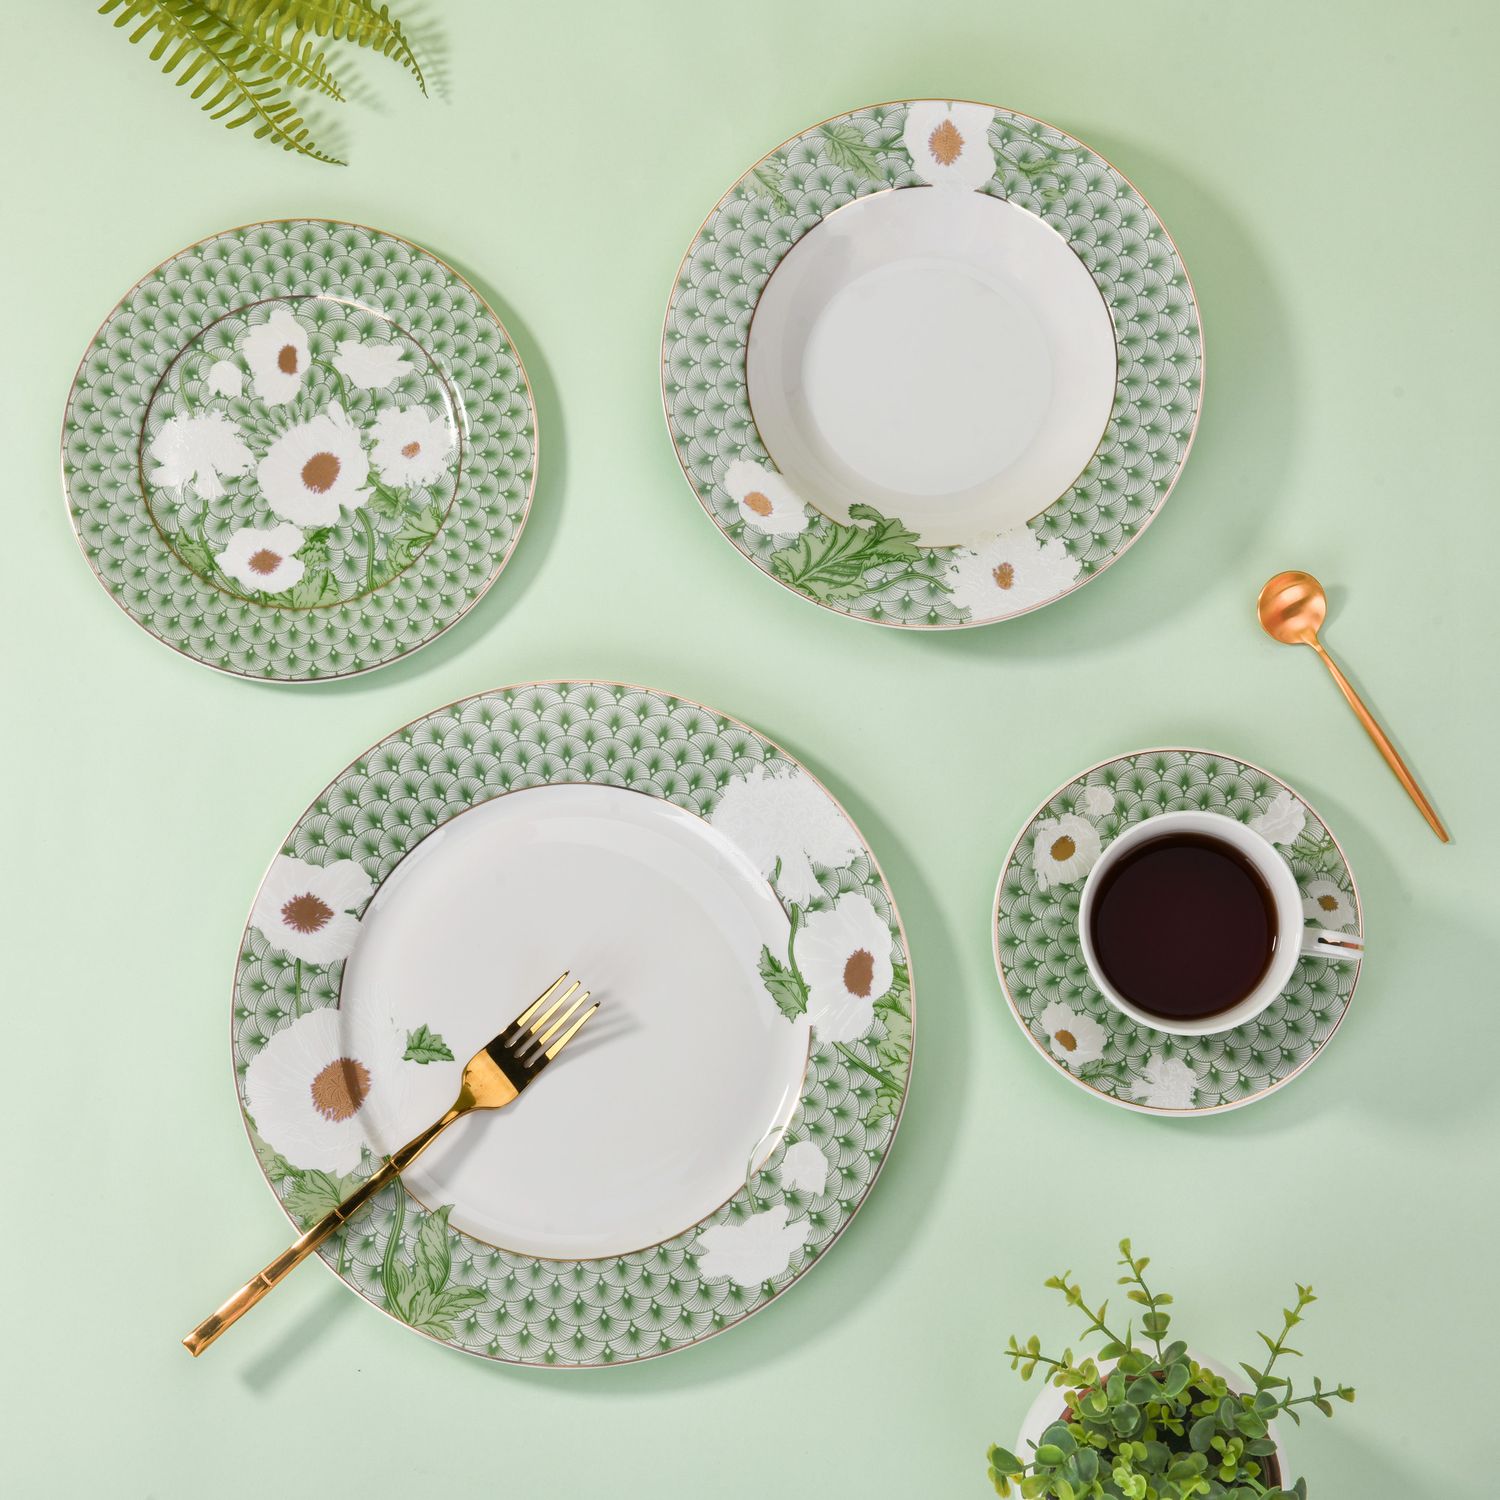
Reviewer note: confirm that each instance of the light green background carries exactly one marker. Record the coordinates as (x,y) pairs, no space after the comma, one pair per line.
(1328,173)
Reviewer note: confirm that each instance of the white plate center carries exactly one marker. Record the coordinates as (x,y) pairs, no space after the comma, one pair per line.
(650,1119)
(941,355)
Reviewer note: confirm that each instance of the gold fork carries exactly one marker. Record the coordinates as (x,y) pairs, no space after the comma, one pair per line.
(493,1077)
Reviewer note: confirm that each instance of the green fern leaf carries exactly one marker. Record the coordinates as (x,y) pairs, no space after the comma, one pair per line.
(297,58)
(234,76)
(362,22)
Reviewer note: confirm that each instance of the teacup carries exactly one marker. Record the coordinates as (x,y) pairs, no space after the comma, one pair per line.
(1285,937)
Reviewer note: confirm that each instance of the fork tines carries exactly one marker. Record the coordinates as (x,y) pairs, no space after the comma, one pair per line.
(544,1028)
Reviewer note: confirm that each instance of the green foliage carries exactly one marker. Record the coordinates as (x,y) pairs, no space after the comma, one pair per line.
(1158,1425)
(847,148)
(893,1047)
(784,985)
(309,1193)
(240,57)
(830,561)
(424,1046)
(419,1291)
(769,177)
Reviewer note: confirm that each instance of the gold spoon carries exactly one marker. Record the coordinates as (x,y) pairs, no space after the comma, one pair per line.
(1291,607)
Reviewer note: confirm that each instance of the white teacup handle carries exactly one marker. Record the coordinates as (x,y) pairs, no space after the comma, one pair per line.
(1318,942)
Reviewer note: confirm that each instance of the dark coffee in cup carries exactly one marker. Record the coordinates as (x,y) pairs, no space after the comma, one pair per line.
(1183,926)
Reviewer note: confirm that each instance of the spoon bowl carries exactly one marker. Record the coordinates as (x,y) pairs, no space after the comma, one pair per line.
(1292,607)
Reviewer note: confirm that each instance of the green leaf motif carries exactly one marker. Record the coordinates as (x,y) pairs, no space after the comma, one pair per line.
(893,1050)
(276,1167)
(783,985)
(434,1253)
(195,550)
(425,1046)
(315,1193)
(832,561)
(847,148)
(420,1292)
(315,587)
(313,553)
(415,536)
(386,503)
(770,178)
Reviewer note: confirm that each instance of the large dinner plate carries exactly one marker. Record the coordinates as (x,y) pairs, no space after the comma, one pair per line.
(299,450)
(709,1135)
(932,364)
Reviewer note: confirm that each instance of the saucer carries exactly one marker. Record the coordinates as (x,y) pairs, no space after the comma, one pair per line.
(1049,989)
(932,364)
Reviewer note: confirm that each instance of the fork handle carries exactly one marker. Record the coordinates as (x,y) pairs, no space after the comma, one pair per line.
(261,1283)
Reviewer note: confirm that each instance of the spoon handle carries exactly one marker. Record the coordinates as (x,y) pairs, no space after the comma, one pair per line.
(1382,744)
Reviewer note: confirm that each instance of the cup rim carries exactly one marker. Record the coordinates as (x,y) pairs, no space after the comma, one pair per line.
(1285,894)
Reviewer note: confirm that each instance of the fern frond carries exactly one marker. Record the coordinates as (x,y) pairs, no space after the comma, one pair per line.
(235,77)
(299,59)
(362,22)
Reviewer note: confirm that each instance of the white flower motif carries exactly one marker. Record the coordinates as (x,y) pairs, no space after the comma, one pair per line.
(1169,1083)
(316,469)
(1063,850)
(264,559)
(1324,903)
(1282,822)
(766,501)
(276,352)
(805,1167)
(1010,573)
(753,1251)
(1097,801)
(313,1088)
(224,379)
(413,446)
(304,909)
(197,450)
(950,143)
(1073,1037)
(785,817)
(844,954)
(369,364)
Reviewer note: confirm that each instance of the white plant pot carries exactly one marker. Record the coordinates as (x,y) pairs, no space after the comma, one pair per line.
(1047,1409)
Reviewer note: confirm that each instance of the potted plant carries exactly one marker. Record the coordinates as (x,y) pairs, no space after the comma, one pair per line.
(1144,1419)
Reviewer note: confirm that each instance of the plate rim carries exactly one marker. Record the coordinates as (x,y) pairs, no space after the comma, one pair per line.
(1135,1106)
(879,1166)
(1102,567)
(479,593)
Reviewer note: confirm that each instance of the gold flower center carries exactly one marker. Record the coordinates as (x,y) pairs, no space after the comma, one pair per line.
(306,913)
(1005,575)
(759,503)
(1328,903)
(859,972)
(320,472)
(1066,1040)
(265,561)
(1064,848)
(286,359)
(945,143)
(340,1089)
(411,450)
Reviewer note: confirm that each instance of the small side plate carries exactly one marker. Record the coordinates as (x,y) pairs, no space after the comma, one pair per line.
(299,450)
